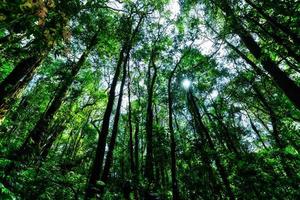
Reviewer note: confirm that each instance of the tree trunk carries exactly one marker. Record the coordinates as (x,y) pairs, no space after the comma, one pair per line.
(175,190)
(280,41)
(287,85)
(257,132)
(136,149)
(131,145)
(231,141)
(149,173)
(99,157)
(12,85)
(36,139)
(109,155)
(273,21)
(202,130)
(291,174)
(132,167)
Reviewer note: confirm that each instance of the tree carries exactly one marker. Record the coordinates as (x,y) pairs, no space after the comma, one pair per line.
(149,99)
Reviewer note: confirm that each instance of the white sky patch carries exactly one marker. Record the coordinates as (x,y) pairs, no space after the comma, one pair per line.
(186,84)
(174,8)
(214,94)
(83,2)
(205,45)
(115,5)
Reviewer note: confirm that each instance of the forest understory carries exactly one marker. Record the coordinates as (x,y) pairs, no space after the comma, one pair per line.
(149,99)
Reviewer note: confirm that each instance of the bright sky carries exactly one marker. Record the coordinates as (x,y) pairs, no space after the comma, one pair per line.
(174,7)
(186,84)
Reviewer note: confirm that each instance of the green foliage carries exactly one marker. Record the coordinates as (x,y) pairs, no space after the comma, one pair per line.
(234,131)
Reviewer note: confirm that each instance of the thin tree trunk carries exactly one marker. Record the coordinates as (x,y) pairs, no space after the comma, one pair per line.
(99,157)
(230,140)
(136,149)
(176,195)
(149,173)
(132,163)
(257,132)
(132,167)
(278,139)
(109,156)
(290,52)
(202,130)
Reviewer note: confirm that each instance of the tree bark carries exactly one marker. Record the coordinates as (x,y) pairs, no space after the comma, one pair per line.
(109,156)
(149,173)
(132,167)
(287,85)
(291,174)
(99,157)
(131,145)
(175,191)
(203,132)
(136,148)
(274,22)
(36,140)
(257,132)
(280,41)
(13,84)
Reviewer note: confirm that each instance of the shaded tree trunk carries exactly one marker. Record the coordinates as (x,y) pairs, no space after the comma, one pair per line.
(149,173)
(274,22)
(109,155)
(99,157)
(131,145)
(203,132)
(132,167)
(287,85)
(136,148)
(12,85)
(290,51)
(36,140)
(175,190)
(257,132)
(278,139)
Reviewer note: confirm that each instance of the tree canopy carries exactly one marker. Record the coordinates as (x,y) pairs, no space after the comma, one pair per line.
(150,99)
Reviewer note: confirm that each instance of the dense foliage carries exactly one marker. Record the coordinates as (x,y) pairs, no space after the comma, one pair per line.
(149,99)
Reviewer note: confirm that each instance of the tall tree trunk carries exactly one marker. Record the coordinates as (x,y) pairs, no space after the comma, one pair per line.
(36,140)
(131,145)
(274,22)
(99,157)
(231,140)
(257,132)
(132,167)
(22,74)
(149,173)
(136,149)
(12,85)
(109,155)
(287,85)
(291,174)
(175,190)
(50,141)
(202,130)
(280,41)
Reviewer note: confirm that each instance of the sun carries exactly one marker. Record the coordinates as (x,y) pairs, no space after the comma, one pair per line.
(186,84)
